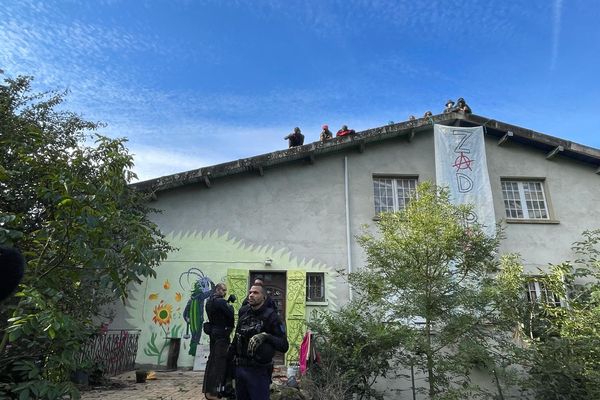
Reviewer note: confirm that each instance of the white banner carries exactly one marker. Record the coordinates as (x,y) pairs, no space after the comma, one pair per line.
(461,165)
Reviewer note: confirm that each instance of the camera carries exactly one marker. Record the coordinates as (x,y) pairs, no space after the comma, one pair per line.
(250,330)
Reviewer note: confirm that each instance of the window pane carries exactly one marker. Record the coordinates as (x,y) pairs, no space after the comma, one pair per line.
(383,193)
(530,194)
(315,286)
(393,194)
(405,189)
(536,205)
(512,199)
(537,292)
(531,292)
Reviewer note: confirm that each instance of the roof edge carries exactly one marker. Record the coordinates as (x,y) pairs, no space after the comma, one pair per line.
(359,140)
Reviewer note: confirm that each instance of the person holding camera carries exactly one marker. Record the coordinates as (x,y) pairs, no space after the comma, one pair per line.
(258,334)
(218,328)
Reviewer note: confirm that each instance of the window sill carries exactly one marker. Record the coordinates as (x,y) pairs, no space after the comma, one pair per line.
(317,303)
(532,221)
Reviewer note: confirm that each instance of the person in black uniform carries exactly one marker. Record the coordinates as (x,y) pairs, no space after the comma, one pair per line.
(269,300)
(219,328)
(258,334)
(12,266)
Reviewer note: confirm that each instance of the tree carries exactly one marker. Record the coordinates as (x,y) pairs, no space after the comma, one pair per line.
(431,272)
(84,232)
(561,352)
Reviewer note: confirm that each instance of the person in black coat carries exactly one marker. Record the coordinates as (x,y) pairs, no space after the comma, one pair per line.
(295,139)
(12,267)
(218,328)
(258,334)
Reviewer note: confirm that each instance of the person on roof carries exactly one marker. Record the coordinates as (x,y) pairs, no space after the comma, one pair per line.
(428,114)
(449,107)
(295,139)
(345,131)
(326,134)
(462,106)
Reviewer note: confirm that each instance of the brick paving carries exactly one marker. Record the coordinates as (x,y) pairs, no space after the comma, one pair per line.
(171,385)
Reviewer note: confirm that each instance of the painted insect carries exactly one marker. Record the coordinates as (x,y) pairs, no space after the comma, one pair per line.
(193,314)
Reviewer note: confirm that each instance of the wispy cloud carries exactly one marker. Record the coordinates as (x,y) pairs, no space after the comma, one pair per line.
(452,20)
(556,25)
(120,73)
(152,162)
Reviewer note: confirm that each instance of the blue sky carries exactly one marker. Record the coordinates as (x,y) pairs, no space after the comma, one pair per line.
(194,83)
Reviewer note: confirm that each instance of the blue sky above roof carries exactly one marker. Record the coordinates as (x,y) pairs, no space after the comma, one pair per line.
(193,83)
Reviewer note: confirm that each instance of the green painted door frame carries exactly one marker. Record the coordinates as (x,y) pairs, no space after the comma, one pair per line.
(237,282)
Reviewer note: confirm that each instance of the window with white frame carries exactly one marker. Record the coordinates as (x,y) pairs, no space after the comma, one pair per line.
(315,286)
(525,199)
(393,194)
(537,292)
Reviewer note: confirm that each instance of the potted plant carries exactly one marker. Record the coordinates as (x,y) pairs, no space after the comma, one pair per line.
(81,375)
(141,375)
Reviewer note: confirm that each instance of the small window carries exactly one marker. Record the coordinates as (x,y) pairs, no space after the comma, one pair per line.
(393,194)
(525,199)
(315,286)
(537,292)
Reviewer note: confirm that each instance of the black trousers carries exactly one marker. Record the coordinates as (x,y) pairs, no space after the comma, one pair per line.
(252,383)
(216,366)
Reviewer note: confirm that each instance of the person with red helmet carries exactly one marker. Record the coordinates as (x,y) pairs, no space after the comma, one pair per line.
(326,134)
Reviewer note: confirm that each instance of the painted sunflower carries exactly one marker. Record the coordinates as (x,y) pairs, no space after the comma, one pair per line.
(162,314)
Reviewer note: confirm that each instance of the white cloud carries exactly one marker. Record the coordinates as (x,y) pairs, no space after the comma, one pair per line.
(152,162)
(556,24)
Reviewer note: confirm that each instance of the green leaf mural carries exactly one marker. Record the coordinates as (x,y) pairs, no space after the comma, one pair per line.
(151,348)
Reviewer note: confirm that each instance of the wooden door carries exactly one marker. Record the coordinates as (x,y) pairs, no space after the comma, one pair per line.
(274,283)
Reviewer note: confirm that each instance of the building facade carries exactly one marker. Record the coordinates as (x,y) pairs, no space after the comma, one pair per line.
(291,218)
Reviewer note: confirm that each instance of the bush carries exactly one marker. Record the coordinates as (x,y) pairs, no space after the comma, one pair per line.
(356,349)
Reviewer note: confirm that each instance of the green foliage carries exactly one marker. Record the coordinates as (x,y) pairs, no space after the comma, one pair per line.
(84,233)
(426,264)
(356,348)
(562,354)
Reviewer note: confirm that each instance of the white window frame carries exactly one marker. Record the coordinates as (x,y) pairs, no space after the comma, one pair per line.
(542,293)
(527,214)
(321,275)
(395,179)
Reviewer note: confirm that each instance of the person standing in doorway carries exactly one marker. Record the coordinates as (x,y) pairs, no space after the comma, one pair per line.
(218,328)
(258,334)
(269,301)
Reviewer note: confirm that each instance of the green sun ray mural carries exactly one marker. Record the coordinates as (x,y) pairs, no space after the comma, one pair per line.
(172,304)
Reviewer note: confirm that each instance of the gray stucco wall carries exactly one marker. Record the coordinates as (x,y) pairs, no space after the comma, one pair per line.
(572,189)
(300,206)
(296,212)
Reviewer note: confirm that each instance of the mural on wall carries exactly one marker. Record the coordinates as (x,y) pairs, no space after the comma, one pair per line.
(193,314)
(163,316)
(157,307)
